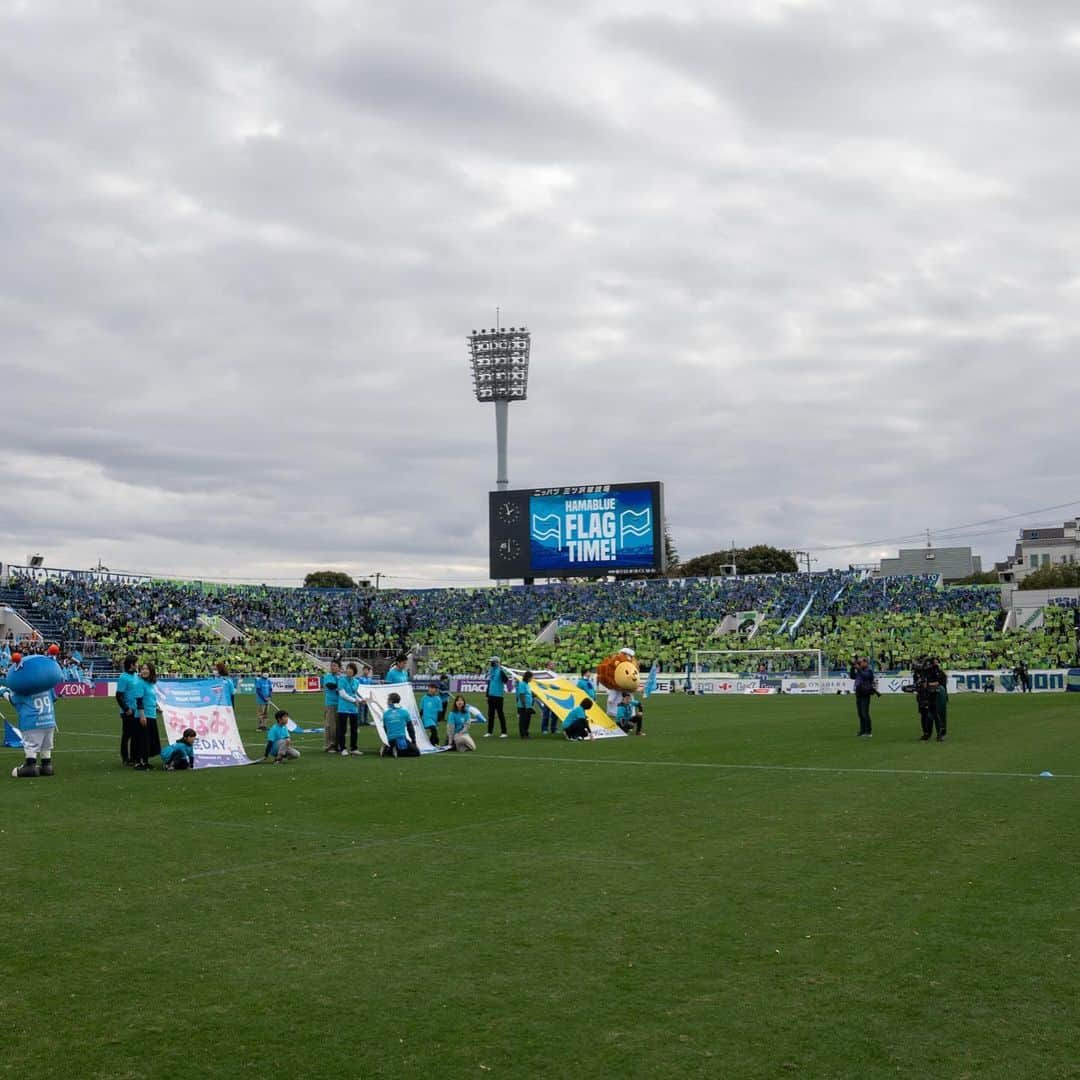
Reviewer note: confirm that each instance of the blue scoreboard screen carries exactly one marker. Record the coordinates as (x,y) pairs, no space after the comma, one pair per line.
(585,530)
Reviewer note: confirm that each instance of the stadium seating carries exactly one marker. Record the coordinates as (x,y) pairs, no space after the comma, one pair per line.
(840,613)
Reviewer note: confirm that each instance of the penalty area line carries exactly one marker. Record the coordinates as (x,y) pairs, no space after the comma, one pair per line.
(728,767)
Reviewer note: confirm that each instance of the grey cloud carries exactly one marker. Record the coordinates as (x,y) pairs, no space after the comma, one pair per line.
(826,299)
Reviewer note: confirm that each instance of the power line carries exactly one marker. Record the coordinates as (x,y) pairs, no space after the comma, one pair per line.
(952,529)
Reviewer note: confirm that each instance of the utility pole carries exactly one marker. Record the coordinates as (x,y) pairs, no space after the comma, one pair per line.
(804,556)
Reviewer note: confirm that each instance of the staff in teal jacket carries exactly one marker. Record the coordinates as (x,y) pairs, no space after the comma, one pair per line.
(524,697)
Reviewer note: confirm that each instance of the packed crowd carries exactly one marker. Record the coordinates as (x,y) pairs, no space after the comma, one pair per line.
(841,613)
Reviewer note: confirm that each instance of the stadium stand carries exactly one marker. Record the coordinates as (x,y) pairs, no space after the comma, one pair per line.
(842,613)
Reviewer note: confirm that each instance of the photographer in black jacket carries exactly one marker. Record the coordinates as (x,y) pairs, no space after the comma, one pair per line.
(865,687)
(932,695)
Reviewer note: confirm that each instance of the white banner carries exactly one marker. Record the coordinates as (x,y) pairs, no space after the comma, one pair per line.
(377,704)
(805,684)
(200,704)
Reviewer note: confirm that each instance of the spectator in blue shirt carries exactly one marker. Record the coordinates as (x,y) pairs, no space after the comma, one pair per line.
(496,691)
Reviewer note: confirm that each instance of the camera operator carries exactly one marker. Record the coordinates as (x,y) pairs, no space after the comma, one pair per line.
(932,695)
(865,687)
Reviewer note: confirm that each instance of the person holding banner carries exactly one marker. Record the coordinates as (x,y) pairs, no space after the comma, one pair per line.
(575,724)
(396,721)
(127,687)
(524,698)
(457,726)
(147,713)
(228,687)
(348,714)
(496,691)
(180,754)
(431,711)
(587,682)
(278,740)
(330,706)
(264,691)
(631,714)
(398,671)
(366,679)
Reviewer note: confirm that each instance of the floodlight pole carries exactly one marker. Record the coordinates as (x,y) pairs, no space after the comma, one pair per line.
(500,370)
(502,427)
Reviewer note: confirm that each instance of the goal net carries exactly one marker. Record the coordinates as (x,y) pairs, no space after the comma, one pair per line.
(729,671)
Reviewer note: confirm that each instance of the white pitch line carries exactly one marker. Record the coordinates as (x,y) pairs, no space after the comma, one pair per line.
(774,768)
(707,765)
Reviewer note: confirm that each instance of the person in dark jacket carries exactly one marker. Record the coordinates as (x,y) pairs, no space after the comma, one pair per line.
(862,674)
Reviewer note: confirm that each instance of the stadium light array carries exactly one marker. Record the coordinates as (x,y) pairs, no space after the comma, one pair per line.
(500,363)
(500,370)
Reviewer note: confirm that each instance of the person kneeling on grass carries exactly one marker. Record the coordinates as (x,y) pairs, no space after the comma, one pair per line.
(431,707)
(181,754)
(457,726)
(575,724)
(631,714)
(396,723)
(278,741)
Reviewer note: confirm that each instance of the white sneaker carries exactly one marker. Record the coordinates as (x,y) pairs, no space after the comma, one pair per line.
(356,753)
(504,736)
(487,734)
(344,753)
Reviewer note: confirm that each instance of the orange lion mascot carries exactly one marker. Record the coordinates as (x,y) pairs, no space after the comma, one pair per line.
(619,671)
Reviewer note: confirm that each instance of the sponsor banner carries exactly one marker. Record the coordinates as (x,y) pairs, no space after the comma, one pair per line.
(1042,682)
(82,689)
(200,704)
(805,685)
(468,684)
(721,684)
(893,684)
(282,684)
(1072,680)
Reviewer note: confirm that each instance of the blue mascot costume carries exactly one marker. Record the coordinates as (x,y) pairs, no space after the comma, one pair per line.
(29,685)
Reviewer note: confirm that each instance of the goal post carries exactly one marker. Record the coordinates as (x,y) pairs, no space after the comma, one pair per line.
(766,665)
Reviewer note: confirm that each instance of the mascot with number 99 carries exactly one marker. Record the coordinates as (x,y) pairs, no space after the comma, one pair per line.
(29,686)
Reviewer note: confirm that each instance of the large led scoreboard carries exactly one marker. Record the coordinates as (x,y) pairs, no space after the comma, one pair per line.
(587,530)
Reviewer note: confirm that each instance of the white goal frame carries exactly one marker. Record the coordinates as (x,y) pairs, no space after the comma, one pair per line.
(697,674)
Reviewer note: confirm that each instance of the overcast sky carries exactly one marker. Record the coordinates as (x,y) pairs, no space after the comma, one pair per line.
(812,264)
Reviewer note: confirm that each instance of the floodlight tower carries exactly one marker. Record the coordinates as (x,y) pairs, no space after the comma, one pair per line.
(500,369)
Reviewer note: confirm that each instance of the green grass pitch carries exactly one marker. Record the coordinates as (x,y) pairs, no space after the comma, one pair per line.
(749,891)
